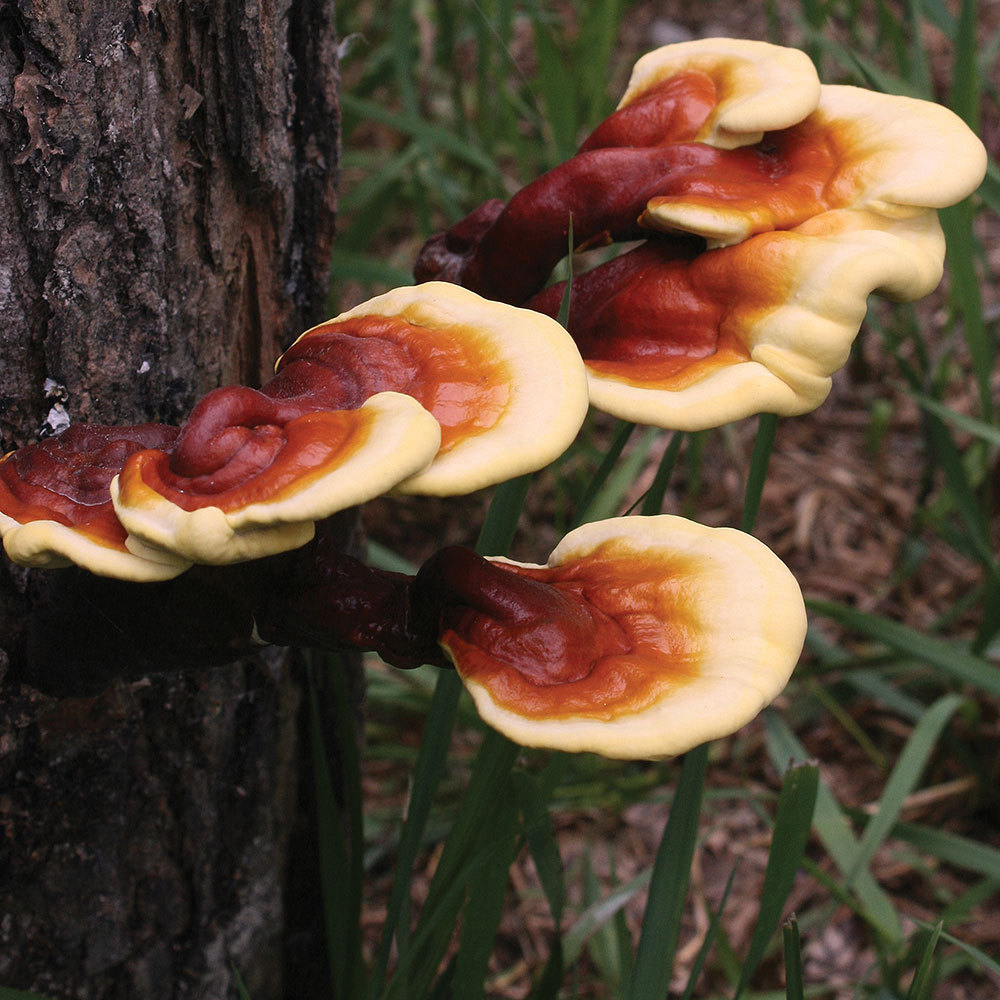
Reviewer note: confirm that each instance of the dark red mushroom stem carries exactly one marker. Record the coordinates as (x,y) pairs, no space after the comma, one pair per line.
(314,597)
(604,191)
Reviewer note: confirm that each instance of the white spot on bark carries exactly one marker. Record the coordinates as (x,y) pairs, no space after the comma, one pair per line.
(57,420)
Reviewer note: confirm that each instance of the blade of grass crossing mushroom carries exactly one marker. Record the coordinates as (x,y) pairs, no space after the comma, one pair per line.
(661,923)
(611,456)
(493,765)
(498,528)
(652,502)
(611,495)
(947,657)
(923,980)
(903,780)
(794,988)
(710,936)
(767,427)
(792,823)
(834,832)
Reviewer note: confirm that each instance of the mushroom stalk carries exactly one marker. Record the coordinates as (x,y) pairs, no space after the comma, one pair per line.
(318,597)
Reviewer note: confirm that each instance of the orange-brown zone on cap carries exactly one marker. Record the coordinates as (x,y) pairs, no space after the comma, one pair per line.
(243,446)
(452,371)
(786,178)
(665,316)
(273,463)
(628,637)
(67,478)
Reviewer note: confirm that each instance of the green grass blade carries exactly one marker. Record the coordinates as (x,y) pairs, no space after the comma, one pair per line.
(6,993)
(463,852)
(430,768)
(794,988)
(433,136)
(951,848)
(923,981)
(966,297)
(792,823)
(834,832)
(346,265)
(566,302)
(540,836)
(983,960)
(971,425)
(241,987)
(661,924)
(767,428)
(947,657)
(710,935)
(612,455)
(501,520)
(557,92)
(653,501)
(487,893)
(598,914)
(611,494)
(967,84)
(339,858)
(599,26)
(903,780)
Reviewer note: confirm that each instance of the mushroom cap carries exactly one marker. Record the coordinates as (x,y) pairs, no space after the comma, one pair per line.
(697,629)
(761,87)
(506,384)
(780,312)
(859,149)
(327,460)
(55,508)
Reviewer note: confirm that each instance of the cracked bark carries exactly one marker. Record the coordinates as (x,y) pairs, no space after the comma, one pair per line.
(167,190)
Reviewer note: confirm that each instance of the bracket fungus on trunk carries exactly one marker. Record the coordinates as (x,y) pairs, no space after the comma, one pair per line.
(771,206)
(428,389)
(55,509)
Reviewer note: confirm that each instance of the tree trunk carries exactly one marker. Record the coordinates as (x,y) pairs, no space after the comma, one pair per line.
(167,195)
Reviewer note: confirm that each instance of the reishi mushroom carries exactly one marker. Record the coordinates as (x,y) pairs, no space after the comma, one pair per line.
(618,625)
(641,637)
(429,389)
(472,393)
(55,509)
(768,223)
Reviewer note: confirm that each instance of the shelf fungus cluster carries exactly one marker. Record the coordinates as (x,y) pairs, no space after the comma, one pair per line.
(770,207)
(429,390)
(640,638)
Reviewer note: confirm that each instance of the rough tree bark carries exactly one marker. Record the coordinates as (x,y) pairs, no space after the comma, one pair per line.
(167,195)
